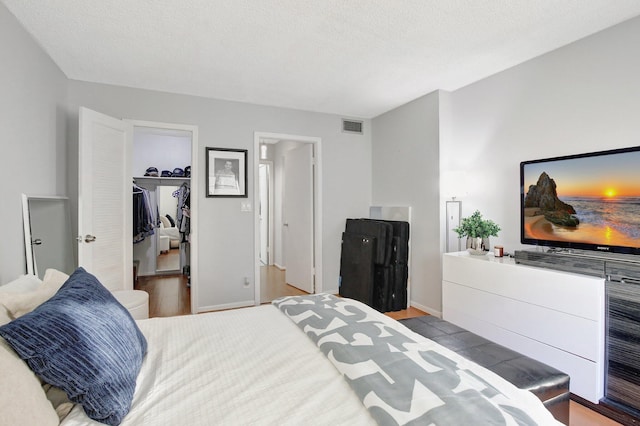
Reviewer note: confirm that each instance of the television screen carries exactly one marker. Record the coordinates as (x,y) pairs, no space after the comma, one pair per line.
(587,201)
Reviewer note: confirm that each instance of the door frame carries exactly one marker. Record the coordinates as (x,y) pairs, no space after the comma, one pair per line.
(317,203)
(194,189)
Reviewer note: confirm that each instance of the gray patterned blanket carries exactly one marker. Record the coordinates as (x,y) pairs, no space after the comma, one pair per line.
(402,380)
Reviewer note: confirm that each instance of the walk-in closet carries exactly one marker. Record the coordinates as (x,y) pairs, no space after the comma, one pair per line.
(161,165)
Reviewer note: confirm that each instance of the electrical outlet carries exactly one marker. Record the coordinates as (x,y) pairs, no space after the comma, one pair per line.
(245,206)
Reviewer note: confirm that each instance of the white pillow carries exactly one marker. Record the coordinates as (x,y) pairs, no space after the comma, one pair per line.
(54,278)
(5,318)
(21,284)
(18,304)
(22,399)
(58,400)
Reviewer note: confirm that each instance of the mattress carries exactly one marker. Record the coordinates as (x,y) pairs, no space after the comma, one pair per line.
(255,366)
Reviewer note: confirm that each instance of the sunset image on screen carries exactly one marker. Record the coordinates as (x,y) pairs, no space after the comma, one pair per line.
(597,200)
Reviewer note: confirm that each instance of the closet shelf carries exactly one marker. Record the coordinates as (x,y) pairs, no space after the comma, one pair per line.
(161,180)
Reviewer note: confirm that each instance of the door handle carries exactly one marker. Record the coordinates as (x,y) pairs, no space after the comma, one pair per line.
(36,242)
(89,238)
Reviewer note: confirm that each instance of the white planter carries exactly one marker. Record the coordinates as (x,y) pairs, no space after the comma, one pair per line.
(478,246)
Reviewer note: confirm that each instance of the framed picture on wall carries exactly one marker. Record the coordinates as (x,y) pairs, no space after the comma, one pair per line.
(226,172)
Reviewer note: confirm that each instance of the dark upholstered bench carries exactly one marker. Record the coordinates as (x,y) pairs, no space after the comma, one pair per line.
(547,383)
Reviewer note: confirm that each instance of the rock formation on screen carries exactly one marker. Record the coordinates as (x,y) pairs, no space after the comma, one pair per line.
(543,196)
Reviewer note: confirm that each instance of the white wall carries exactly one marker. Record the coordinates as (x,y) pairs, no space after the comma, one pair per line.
(159,148)
(32,125)
(226,235)
(583,97)
(405,173)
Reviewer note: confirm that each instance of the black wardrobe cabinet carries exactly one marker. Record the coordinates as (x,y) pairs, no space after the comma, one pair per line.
(374,263)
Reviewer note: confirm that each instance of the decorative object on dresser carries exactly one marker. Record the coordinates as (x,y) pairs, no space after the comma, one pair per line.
(477,230)
(453,209)
(454,184)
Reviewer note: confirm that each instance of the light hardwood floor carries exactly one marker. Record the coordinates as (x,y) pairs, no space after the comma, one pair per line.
(273,285)
(170,296)
(169,261)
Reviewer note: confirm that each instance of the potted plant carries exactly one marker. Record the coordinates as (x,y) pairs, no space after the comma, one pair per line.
(477,230)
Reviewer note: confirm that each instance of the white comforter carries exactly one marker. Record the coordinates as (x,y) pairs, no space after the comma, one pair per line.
(253,366)
(248,366)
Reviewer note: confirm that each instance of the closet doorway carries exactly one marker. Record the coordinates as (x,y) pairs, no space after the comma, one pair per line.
(161,168)
(104,199)
(279,263)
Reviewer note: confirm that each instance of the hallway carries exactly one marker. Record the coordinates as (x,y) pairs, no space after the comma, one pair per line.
(273,285)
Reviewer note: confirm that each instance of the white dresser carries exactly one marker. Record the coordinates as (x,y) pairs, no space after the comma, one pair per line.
(552,316)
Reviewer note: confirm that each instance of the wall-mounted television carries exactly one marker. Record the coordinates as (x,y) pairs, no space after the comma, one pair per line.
(587,201)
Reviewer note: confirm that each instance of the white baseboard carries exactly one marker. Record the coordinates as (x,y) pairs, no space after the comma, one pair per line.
(427,309)
(242,304)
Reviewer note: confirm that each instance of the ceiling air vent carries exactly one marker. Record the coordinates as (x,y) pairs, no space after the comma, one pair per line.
(352,126)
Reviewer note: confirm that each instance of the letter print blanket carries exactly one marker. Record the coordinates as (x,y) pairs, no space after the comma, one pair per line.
(403,378)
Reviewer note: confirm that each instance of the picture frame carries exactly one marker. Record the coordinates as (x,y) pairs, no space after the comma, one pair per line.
(226,172)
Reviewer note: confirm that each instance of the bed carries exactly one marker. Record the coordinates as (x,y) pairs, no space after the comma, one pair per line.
(316,360)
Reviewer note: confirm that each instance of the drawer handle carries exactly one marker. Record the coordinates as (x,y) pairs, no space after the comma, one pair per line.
(622,279)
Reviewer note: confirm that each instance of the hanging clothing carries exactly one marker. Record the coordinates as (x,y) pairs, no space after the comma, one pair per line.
(143,217)
(183,213)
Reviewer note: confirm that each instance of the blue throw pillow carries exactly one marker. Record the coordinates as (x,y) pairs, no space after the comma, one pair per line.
(86,343)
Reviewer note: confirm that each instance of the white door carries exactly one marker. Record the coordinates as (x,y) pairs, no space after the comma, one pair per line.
(105,199)
(298,217)
(263,170)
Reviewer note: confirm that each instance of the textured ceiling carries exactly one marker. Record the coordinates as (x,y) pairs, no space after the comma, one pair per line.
(357,58)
